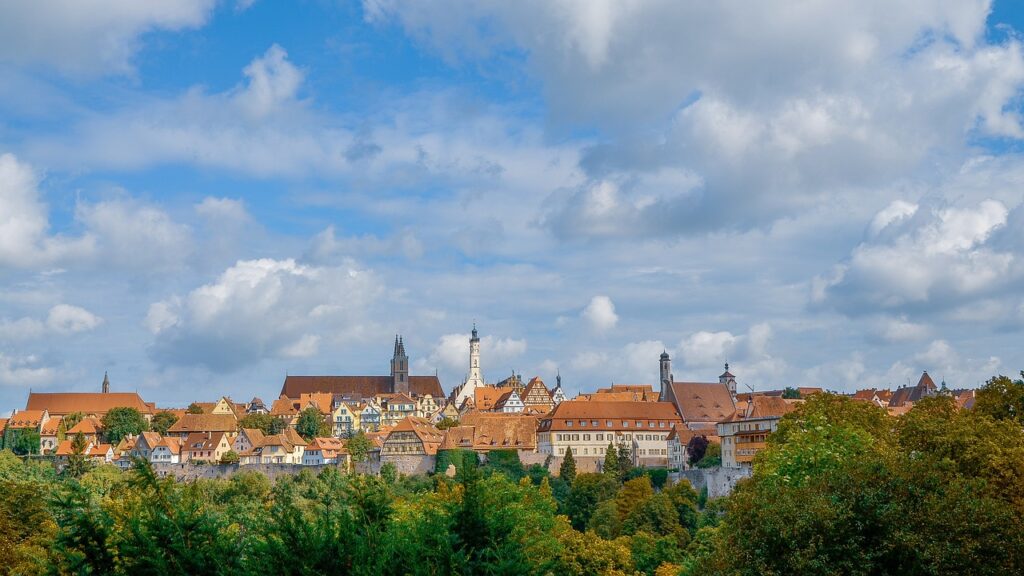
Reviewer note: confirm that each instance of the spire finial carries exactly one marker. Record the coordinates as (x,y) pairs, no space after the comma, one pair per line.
(726,365)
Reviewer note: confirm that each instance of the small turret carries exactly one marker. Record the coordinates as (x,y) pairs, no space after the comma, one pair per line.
(729,380)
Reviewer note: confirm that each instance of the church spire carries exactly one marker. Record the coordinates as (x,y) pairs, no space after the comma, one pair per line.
(106,383)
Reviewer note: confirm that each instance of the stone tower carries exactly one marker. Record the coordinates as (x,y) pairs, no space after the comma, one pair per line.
(729,380)
(399,368)
(106,384)
(666,376)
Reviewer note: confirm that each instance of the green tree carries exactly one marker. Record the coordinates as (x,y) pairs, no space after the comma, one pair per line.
(229,457)
(791,393)
(388,473)
(26,441)
(194,408)
(77,463)
(585,494)
(67,423)
(611,461)
(162,421)
(1002,399)
(505,462)
(625,460)
(359,446)
(447,423)
(312,424)
(712,456)
(567,470)
(263,422)
(122,421)
(605,520)
(695,449)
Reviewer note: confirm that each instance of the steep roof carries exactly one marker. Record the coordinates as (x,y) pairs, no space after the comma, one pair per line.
(88,426)
(152,439)
(428,434)
(485,397)
(330,447)
(203,440)
(360,386)
(171,443)
(580,416)
(64,403)
(484,432)
(769,407)
(204,423)
(703,402)
(25,419)
(51,426)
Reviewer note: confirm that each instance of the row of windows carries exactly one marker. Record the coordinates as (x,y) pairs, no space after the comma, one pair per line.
(610,437)
(601,451)
(625,423)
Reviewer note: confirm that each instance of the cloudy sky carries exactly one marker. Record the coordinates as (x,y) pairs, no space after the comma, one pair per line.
(203,196)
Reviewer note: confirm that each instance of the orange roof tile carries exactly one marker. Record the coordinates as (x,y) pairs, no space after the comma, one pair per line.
(64,403)
(25,419)
(204,423)
(609,415)
(88,426)
(703,402)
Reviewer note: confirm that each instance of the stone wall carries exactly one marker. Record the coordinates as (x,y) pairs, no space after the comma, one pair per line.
(719,481)
(410,464)
(188,472)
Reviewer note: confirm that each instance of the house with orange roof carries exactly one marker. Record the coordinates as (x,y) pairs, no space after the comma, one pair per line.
(587,428)
(411,445)
(90,427)
(284,448)
(167,451)
(101,453)
(678,439)
(88,403)
(205,446)
(746,432)
(145,443)
(49,434)
(325,451)
(25,421)
(395,407)
(537,396)
(486,431)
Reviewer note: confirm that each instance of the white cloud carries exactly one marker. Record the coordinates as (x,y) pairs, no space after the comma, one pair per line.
(600,314)
(25,370)
(68,319)
(259,309)
(134,235)
(273,82)
(940,257)
(452,352)
(223,209)
(96,37)
(24,222)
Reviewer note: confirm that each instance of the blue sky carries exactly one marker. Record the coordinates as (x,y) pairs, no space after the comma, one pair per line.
(202,197)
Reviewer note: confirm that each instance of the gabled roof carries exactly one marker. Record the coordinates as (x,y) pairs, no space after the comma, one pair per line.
(172,444)
(203,440)
(506,398)
(768,407)
(88,426)
(605,416)
(64,403)
(101,450)
(255,435)
(329,447)
(151,439)
(25,419)
(428,434)
(204,423)
(359,386)
(3,425)
(51,426)
(485,397)
(703,402)
(492,431)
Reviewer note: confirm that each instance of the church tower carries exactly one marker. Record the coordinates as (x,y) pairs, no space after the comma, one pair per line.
(399,368)
(106,384)
(666,377)
(475,377)
(729,380)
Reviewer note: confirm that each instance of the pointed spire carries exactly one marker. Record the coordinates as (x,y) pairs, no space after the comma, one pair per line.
(106,383)
(475,337)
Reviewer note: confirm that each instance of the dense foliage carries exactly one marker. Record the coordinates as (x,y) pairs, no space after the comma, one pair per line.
(120,422)
(842,488)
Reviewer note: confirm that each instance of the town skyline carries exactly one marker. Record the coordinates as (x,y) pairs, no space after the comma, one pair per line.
(217,195)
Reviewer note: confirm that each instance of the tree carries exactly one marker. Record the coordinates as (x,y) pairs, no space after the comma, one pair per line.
(67,423)
(263,422)
(586,493)
(388,473)
(506,462)
(1002,399)
(122,421)
(312,424)
(712,456)
(24,441)
(229,457)
(567,470)
(695,449)
(447,423)
(791,393)
(611,461)
(194,408)
(162,421)
(625,459)
(359,446)
(77,462)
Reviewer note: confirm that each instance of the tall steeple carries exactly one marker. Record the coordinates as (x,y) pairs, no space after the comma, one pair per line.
(475,377)
(665,363)
(399,368)
(106,383)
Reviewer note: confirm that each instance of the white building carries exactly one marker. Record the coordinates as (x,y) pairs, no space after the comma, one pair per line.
(475,377)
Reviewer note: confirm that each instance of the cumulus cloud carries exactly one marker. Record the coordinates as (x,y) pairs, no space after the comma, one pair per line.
(939,258)
(748,354)
(24,222)
(452,352)
(223,209)
(25,370)
(259,309)
(68,319)
(97,37)
(135,235)
(600,314)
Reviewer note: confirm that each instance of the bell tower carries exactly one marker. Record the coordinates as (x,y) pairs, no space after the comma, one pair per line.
(106,384)
(729,380)
(666,376)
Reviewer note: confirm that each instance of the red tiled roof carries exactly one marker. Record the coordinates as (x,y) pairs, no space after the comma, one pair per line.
(88,426)
(610,416)
(204,423)
(359,386)
(64,403)
(703,402)
(25,419)
(51,426)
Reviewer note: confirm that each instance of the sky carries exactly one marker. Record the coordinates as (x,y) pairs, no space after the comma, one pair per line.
(201,197)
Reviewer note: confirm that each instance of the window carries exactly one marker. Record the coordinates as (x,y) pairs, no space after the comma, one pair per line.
(576,437)
(639,424)
(586,437)
(661,424)
(593,423)
(585,451)
(568,423)
(583,423)
(608,423)
(625,424)
(600,436)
